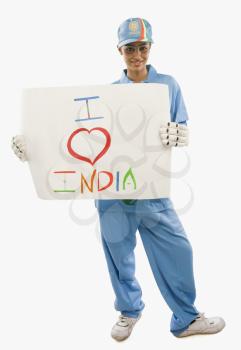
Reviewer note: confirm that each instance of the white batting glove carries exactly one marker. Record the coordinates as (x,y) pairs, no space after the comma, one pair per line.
(174,135)
(19,147)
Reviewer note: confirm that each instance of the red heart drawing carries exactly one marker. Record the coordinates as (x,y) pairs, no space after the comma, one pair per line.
(85,159)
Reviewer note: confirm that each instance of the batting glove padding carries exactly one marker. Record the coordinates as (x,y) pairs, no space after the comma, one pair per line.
(19,147)
(174,135)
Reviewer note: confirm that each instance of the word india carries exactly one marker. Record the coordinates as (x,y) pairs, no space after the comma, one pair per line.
(94,184)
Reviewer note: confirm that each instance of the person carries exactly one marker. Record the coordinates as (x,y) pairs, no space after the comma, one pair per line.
(166,244)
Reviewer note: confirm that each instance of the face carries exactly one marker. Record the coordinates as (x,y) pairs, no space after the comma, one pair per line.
(135,55)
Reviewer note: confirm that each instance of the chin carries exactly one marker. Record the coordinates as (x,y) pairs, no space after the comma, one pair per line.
(140,67)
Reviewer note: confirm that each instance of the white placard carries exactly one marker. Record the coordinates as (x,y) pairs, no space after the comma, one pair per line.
(98,141)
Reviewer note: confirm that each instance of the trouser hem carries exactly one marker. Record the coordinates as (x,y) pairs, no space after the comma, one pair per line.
(131,314)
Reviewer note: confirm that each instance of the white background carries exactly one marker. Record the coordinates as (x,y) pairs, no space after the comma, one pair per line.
(55,288)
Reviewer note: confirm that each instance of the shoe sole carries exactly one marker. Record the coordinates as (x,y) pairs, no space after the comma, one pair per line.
(120,339)
(212,331)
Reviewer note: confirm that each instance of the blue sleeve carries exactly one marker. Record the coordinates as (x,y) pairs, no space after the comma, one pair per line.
(178,108)
(183,123)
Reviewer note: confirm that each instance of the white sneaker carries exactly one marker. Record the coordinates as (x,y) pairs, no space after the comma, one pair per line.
(203,325)
(123,327)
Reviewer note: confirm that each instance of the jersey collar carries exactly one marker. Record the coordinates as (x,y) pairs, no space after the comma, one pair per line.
(152,74)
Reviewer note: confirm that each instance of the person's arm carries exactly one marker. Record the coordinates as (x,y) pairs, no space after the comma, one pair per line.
(175,133)
(19,147)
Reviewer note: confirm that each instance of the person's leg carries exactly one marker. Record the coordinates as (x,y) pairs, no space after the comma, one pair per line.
(118,234)
(170,255)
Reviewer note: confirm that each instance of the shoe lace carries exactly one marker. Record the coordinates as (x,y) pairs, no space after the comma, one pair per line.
(123,321)
(202,316)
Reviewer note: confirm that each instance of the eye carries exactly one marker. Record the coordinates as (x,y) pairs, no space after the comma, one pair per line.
(129,49)
(143,49)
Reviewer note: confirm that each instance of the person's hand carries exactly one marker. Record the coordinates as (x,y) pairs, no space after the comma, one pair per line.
(174,134)
(19,147)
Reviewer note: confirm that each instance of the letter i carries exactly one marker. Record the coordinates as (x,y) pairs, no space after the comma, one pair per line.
(117,180)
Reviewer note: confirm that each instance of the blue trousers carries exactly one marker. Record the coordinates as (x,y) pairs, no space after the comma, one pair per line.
(169,253)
